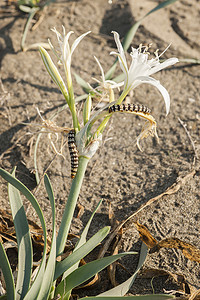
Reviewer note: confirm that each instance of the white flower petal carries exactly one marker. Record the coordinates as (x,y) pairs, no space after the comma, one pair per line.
(120,48)
(114,84)
(66,49)
(105,86)
(163,65)
(101,69)
(77,41)
(159,86)
(122,63)
(121,57)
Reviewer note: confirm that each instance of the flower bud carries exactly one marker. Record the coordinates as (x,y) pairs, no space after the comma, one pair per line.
(53,72)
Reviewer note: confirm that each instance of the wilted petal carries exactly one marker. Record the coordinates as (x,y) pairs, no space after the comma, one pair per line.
(148,129)
(91,148)
(59,36)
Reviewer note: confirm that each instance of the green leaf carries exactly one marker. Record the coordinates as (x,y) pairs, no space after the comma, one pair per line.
(190,60)
(111,71)
(37,177)
(159,6)
(81,241)
(26,9)
(81,252)
(85,272)
(82,83)
(131,33)
(25,254)
(7,273)
(119,78)
(81,97)
(124,287)
(143,297)
(50,268)
(87,109)
(32,13)
(33,291)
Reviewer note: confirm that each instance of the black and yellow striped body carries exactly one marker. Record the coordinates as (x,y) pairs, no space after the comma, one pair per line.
(130,107)
(73,152)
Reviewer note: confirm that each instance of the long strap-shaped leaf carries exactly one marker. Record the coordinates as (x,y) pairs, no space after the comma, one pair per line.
(85,272)
(37,177)
(25,254)
(32,13)
(124,287)
(50,268)
(7,273)
(32,293)
(82,239)
(81,252)
(131,33)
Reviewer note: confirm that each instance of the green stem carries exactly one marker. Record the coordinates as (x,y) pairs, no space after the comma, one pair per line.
(122,96)
(72,105)
(70,205)
(102,126)
(74,117)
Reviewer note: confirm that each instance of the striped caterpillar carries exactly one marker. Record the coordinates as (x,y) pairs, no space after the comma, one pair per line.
(73,152)
(130,107)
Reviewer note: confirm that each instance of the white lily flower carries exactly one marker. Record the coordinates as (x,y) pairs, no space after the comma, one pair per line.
(65,53)
(142,68)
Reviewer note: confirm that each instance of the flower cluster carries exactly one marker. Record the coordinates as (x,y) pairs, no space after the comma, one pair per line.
(140,70)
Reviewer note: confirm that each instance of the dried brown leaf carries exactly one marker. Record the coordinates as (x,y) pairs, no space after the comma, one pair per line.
(195,295)
(111,216)
(145,235)
(81,210)
(188,250)
(90,283)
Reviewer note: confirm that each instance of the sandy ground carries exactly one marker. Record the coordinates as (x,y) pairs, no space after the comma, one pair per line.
(118,173)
